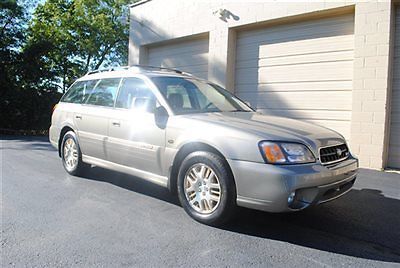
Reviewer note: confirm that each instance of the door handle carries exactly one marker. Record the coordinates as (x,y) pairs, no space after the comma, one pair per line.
(78,116)
(116,123)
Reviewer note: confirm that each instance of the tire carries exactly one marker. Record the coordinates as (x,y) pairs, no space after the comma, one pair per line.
(72,157)
(202,178)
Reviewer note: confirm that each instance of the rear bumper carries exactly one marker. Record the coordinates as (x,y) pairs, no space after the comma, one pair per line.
(53,136)
(268,187)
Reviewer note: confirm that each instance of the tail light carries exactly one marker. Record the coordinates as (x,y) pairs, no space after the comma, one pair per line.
(54,108)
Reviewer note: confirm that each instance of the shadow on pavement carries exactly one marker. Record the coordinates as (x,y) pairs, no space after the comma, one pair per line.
(130,183)
(364,223)
(40,143)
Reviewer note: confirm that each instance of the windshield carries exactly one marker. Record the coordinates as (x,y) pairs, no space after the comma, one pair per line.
(186,95)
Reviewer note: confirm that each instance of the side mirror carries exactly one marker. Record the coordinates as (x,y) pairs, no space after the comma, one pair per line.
(161,117)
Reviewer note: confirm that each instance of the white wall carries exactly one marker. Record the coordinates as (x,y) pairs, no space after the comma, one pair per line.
(160,20)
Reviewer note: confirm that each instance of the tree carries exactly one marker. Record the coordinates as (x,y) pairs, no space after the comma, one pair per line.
(38,60)
(11,38)
(70,37)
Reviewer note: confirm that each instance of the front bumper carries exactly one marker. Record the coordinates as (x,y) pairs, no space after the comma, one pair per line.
(267,187)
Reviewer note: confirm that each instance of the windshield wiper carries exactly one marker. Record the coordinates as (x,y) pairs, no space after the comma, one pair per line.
(239,110)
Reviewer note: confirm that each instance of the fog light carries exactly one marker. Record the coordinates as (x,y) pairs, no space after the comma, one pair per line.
(291,197)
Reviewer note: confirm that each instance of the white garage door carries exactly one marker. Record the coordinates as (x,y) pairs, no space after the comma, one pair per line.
(302,70)
(394,144)
(189,56)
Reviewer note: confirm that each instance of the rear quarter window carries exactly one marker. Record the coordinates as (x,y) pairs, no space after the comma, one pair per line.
(104,94)
(79,92)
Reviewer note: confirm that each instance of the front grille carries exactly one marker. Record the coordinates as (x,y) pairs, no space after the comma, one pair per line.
(333,154)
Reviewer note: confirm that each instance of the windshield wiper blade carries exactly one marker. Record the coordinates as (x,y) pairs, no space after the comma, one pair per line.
(239,110)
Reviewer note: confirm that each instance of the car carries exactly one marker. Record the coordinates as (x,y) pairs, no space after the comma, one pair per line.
(200,141)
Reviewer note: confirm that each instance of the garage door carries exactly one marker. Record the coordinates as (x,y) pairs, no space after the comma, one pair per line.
(302,70)
(394,143)
(189,56)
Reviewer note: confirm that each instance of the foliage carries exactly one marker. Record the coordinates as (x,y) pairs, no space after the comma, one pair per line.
(77,35)
(41,57)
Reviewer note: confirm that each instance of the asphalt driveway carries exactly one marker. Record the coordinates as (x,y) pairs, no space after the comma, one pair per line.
(109,219)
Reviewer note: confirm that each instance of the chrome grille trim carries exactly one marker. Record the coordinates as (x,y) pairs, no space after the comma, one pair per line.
(329,154)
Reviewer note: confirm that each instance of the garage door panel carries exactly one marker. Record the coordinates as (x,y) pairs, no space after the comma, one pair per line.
(197,46)
(325,71)
(330,71)
(394,143)
(322,46)
(336,56)
(190,56)
(310,114)
(301,47)
(300,100)
(193,55)
(296,86)
(303,30)
(183,59)
(302,71)
(347,55)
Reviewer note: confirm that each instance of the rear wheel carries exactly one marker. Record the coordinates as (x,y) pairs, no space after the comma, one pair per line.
(206,188)
(71,154)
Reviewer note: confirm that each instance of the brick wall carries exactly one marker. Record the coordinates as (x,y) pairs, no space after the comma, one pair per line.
(371,82)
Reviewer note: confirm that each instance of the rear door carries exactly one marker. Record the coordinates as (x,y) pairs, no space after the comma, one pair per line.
(134,138)
(92,117)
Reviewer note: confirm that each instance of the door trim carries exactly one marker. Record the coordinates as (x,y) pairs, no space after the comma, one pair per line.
(154,178)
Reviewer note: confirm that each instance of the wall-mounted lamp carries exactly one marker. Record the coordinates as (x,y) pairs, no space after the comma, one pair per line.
(225,14)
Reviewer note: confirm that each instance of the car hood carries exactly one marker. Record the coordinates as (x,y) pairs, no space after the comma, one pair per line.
(267,127)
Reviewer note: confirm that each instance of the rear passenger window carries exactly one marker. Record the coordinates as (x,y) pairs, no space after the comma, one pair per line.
(105,92)
(134,94)
(79,92)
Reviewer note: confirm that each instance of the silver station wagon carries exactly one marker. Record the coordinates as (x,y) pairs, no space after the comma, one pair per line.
(199,140)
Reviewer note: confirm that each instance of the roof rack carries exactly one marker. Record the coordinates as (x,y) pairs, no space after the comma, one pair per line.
(108,69)
(140,67)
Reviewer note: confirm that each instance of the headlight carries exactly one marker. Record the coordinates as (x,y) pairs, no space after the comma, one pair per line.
(285,153)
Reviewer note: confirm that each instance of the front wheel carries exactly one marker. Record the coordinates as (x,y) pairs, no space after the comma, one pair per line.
(71,154)
(206,188)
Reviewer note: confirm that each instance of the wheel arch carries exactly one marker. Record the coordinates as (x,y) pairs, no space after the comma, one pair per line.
(184,151)
(64,130)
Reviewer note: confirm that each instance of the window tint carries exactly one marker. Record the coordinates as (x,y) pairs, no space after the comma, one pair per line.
(186,95)
(175,90)
(105,92)
(79,92)
(134,94)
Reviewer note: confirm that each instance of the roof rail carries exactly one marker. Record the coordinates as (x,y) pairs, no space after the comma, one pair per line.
(149,67)
(108,69)
(140,67)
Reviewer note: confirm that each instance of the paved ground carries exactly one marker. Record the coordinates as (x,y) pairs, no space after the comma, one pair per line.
(109,219)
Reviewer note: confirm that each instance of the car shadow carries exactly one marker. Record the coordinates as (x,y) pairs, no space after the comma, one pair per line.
(364,223)
(130,183)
